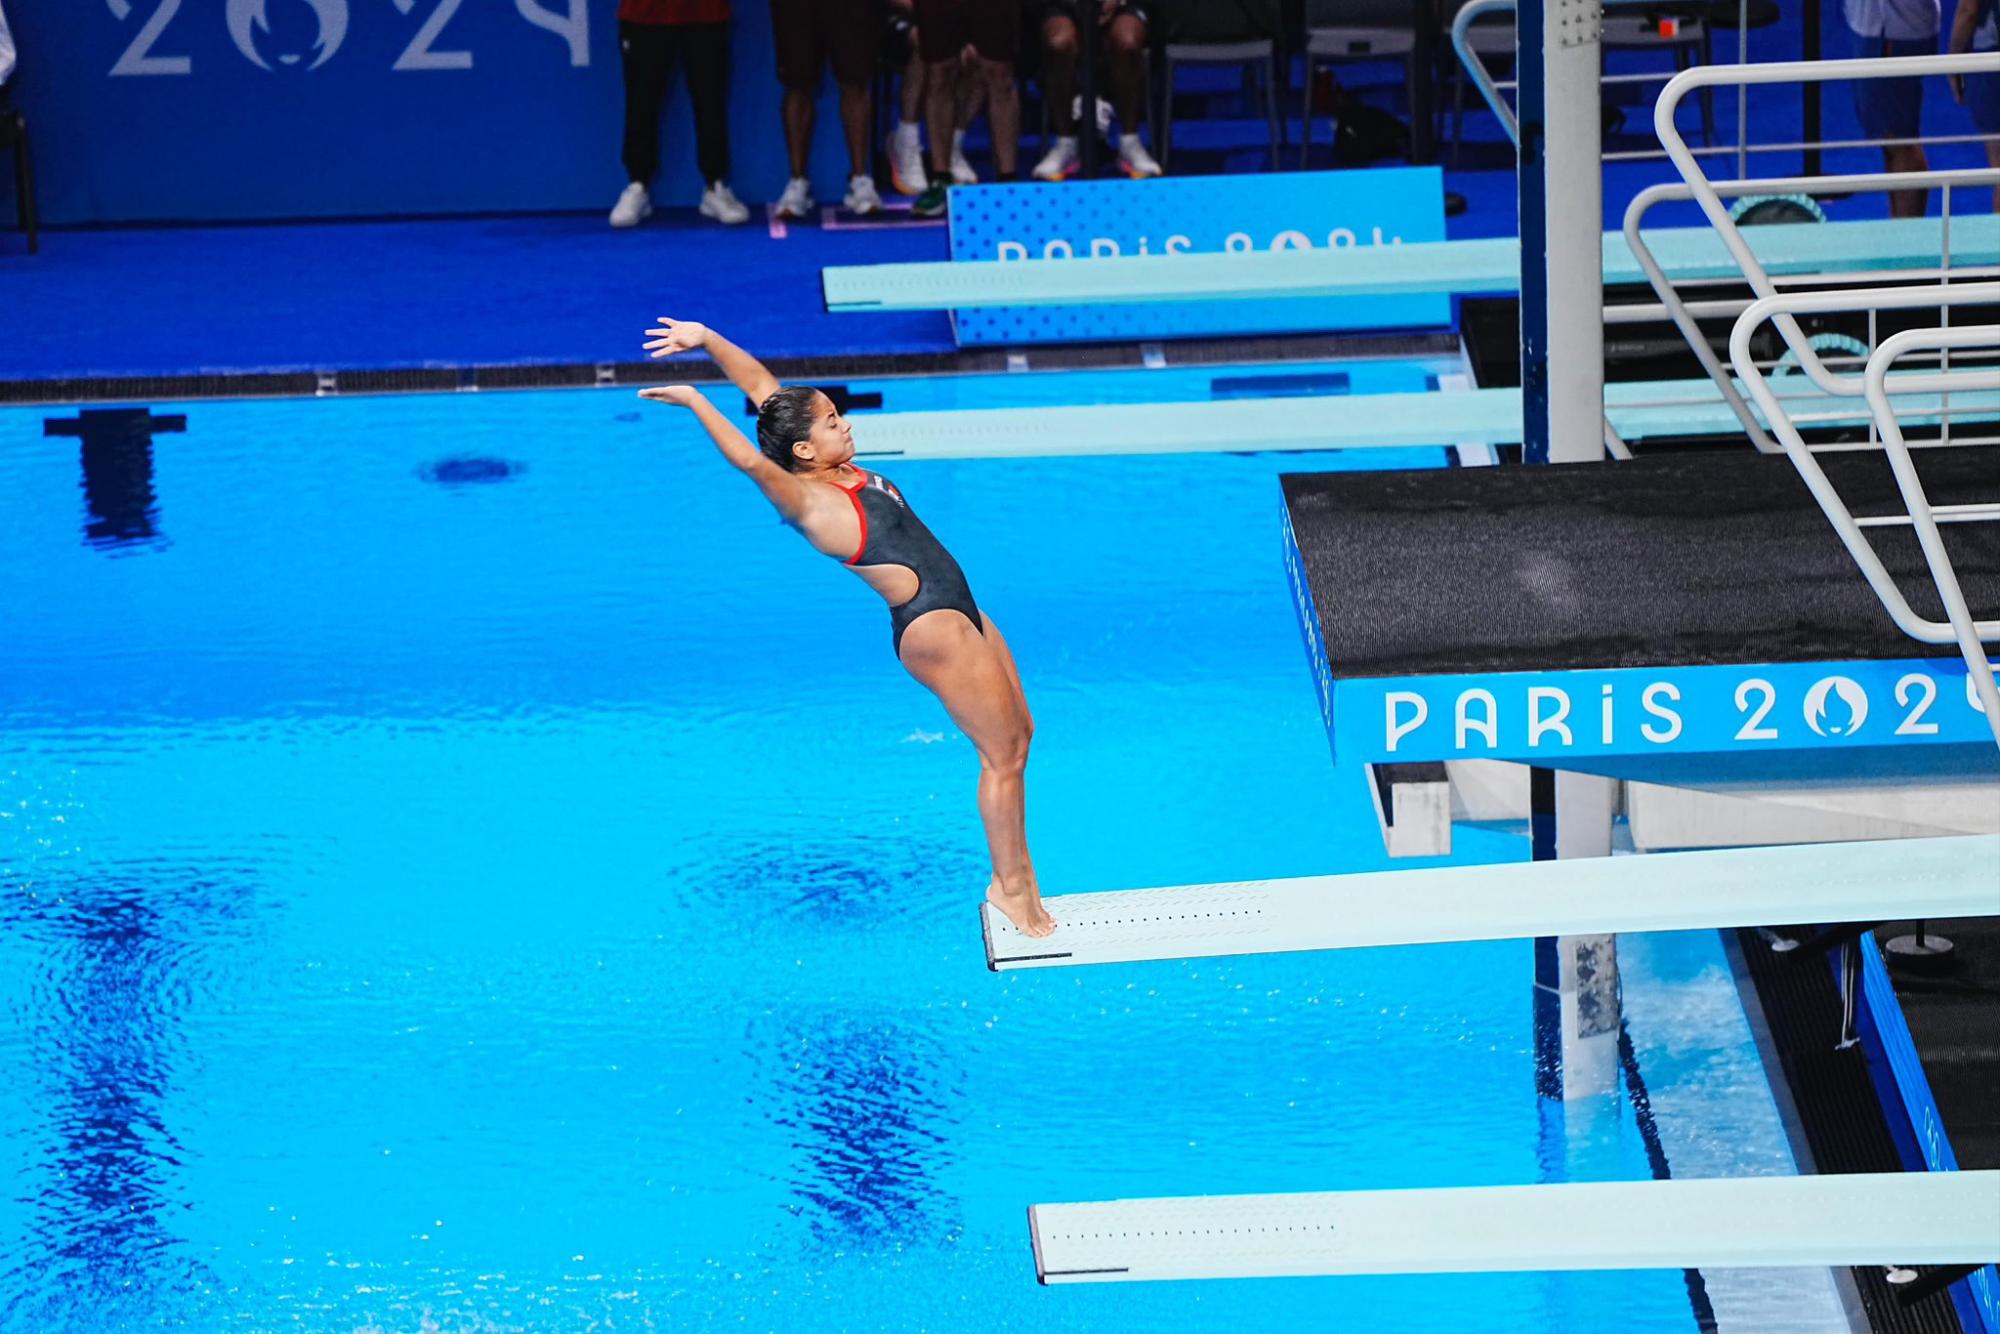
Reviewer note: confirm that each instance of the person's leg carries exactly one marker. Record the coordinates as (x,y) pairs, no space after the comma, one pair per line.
(1060,45)
(646,53)
(706,65)
(971,101)
(911,111)
(940,39)
(857,106)
(971,675)
(852,33)
(1981,96)
(799,119)
(1893,109)
(941,114)
(995,29)
(1003,114)
(795,34)
(1125,52)
(1906,157)
(1059,48)
(906,141)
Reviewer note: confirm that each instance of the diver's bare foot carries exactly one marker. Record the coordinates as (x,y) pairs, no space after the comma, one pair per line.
(1023,908)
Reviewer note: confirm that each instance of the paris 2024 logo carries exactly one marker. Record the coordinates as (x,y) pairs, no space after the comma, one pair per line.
(308,31)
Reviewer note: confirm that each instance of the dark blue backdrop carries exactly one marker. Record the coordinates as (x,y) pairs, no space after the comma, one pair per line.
(148,110)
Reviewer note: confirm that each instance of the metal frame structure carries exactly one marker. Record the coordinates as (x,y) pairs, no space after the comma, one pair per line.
(1979,386)
(1685,314)
(1983,381)
(1709,199)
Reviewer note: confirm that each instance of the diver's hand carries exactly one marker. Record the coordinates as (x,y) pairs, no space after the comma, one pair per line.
(680,395)
(675,336)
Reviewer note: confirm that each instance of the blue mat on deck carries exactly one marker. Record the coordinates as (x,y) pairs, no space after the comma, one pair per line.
(458,292)
(566,289)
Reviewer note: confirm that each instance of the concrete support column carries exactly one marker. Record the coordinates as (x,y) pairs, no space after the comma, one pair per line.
(1576,997)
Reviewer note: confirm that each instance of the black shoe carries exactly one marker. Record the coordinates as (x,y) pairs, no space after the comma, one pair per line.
(930,204)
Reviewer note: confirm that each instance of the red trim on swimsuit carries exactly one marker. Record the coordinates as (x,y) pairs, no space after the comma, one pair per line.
(854,494)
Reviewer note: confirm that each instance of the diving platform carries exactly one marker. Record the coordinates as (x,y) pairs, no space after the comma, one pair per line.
(1491,265)
(1929,1218)
(1689,619)
(1837,882)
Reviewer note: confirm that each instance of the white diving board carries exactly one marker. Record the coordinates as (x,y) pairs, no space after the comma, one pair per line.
(1487,265)
(1891,880)
(1640,411)
(1921,1218)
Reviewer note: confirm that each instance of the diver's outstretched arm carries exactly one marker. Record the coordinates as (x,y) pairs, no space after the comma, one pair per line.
(744,370)
(786,492)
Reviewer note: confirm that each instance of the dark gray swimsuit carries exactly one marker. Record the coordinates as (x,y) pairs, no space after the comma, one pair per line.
(892,535)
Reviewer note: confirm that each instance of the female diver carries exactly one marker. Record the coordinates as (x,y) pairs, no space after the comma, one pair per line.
(802,463)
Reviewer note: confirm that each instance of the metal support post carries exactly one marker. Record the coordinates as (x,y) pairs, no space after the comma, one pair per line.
(1562,218)
(1578,1012)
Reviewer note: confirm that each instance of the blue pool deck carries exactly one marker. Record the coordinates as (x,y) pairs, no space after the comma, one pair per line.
(558,289)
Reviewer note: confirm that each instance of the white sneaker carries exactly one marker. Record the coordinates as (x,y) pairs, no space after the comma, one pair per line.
(906,161)
(961,170)
(1134,158)
(797,201)
(1061,161)
(720,202)
(862,198)
(633,207)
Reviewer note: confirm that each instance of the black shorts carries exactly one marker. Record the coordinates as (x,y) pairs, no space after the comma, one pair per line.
(990,27)
(810,34)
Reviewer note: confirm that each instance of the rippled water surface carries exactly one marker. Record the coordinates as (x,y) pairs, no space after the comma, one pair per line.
(463,864)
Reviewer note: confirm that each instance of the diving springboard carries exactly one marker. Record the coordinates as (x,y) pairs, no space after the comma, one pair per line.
(1918,1218)
(1491,264)
(1639,410)
(1891,880)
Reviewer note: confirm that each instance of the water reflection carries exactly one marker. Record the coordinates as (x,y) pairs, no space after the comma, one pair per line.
(837,880)
(868,1107)
(470,470)
(117,458)
(111,957)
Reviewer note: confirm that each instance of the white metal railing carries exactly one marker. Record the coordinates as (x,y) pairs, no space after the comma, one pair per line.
(1684,314)
(1709,198)
(1475,68)
(1961,626)
(1493,91)
(1673,304)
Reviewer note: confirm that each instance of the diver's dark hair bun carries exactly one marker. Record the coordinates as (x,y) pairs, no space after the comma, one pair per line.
(785,419)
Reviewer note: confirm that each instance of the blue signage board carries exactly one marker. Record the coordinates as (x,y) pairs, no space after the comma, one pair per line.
(150,110)
(1551,717)
(1193,215)
(1591,714)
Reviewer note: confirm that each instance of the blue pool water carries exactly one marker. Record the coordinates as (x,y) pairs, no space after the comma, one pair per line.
(540,902)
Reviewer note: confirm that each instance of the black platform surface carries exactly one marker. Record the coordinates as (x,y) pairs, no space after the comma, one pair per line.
(1683,560)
